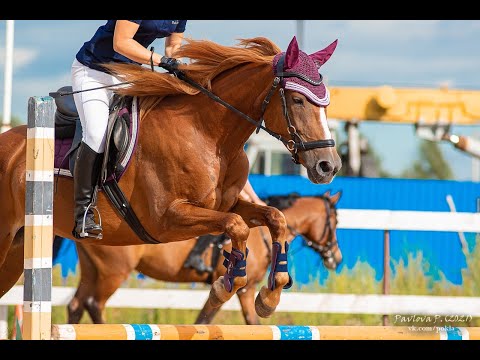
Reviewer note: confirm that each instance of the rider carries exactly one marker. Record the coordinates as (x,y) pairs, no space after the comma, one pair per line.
(123,41)
(194,259)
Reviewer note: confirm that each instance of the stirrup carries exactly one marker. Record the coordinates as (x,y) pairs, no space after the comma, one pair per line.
(83,233)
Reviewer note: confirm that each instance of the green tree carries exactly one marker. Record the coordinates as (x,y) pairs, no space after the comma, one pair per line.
(430,165)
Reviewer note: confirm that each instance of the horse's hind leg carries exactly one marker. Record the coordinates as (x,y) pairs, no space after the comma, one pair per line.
(105,287)
(97,283)
(85,288)
(207,314)
(246,296)
(75,307)
(12,267)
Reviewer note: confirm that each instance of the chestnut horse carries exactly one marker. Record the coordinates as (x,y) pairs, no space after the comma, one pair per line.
(189,164)
(104,268)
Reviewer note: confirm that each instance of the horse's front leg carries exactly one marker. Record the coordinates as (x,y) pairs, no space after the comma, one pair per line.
(279,278)
(187,221)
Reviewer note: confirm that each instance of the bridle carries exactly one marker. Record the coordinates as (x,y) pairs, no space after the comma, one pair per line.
(326,251)
(295,143)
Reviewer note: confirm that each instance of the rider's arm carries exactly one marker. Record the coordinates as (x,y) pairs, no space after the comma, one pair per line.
(125,44)
(172,43)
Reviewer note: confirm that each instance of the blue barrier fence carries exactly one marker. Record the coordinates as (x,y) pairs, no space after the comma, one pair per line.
(441,250)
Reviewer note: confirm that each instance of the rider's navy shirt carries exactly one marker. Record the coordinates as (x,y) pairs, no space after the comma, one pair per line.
(99,49)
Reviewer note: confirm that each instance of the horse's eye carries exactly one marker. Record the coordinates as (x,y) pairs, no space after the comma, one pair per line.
(297,100)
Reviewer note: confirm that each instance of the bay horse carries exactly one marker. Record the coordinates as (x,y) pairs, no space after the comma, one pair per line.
(104,268)
(189,163)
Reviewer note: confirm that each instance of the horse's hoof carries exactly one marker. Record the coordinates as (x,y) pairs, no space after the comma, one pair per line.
(218,295)
(261,308)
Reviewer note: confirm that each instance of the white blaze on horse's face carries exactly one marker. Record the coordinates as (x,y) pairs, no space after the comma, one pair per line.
(324,123)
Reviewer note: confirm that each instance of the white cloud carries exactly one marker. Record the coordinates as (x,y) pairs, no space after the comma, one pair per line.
(21,57)
(394,30)
(372,32)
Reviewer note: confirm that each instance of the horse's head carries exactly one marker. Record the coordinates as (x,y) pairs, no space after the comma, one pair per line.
(314,219)
(304,99)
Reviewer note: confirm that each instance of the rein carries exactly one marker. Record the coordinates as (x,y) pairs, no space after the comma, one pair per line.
(294,145)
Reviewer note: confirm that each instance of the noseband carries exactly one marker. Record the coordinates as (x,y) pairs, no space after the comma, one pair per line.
(324,250)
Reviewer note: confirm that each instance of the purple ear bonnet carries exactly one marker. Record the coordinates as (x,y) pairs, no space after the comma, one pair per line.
(299,62)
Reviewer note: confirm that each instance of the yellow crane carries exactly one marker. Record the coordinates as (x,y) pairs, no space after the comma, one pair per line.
(431,111)
(405,105)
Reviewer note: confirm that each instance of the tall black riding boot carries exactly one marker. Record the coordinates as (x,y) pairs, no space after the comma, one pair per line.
(194,259)
(85,177)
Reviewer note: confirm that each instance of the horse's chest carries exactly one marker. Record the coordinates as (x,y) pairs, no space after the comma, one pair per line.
(221,199)
(220,185)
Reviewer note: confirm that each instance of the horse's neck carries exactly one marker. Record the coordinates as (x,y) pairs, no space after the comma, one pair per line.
(245,90)
(296,220)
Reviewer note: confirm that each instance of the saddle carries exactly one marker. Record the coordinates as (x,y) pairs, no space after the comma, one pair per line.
(122,134)
(68,134)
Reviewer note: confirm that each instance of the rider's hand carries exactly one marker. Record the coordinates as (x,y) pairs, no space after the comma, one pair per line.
(169,63)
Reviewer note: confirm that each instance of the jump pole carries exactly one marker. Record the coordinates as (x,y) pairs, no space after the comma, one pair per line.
(259,332)
(37,289)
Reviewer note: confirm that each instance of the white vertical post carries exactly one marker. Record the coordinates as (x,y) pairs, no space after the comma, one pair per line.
(475,169)
(3,322)
(252,154)
(268,162)
(461,235)
(7,87)
(300,34)
(354,156)
(475,163)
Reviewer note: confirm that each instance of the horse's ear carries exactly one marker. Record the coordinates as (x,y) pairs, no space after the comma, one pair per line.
(334,198)
(321,56)
(291,55)
(327,193)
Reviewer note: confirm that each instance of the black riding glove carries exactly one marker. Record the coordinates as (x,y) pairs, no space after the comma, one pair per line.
(169,63)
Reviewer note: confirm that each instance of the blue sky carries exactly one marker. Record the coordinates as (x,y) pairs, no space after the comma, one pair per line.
(402,53)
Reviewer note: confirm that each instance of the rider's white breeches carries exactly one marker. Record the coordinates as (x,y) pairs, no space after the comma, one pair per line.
(92,106)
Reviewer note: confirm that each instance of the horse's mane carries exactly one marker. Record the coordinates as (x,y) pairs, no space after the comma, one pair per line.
(207,60)
(282,202)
